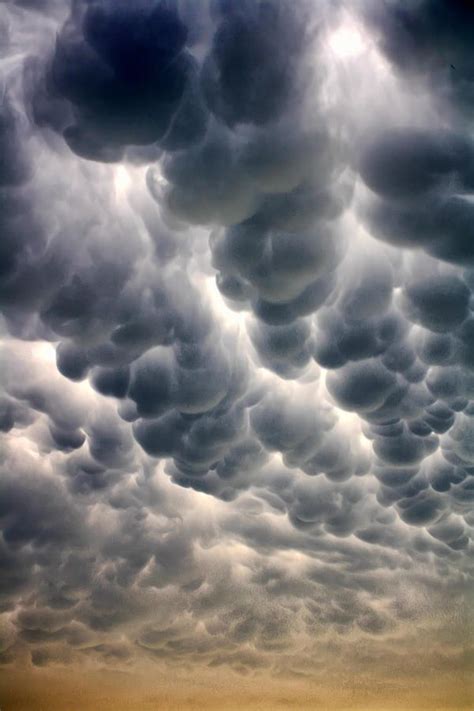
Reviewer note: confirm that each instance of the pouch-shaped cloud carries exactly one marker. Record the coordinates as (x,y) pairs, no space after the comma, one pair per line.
(237,338)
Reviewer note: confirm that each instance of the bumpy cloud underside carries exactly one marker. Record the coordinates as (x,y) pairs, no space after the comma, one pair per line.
(237,340)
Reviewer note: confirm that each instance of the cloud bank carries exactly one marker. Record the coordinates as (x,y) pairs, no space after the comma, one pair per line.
(237,334)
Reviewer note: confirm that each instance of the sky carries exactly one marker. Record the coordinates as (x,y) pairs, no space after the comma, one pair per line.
(236,355)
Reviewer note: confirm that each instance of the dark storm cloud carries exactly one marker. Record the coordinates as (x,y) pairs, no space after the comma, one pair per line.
(238,169)
(423,183)
(234,421)
(429,41)
(248,76)
(125,77)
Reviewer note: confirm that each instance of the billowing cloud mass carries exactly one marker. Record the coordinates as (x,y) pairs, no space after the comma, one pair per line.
(237,343)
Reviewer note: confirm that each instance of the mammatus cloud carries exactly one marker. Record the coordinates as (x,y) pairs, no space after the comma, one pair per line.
(237,344)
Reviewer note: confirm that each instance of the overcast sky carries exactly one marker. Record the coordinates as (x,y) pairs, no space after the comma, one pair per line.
(237,354)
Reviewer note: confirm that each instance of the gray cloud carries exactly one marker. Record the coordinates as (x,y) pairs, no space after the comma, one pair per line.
(237,332)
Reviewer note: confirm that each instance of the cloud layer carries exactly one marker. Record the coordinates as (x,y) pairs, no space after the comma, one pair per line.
(237,334)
